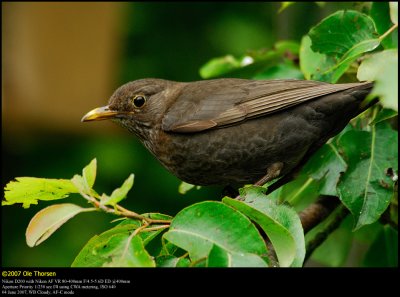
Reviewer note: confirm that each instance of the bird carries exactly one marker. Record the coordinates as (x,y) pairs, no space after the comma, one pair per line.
(233,131)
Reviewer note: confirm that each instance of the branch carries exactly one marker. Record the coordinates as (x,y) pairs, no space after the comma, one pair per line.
(321,236)
(318,211)
(121,211)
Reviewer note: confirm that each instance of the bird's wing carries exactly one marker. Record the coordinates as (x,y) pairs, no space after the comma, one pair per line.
(215,103)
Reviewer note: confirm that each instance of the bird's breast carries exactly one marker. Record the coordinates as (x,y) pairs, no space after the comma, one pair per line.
(240,153)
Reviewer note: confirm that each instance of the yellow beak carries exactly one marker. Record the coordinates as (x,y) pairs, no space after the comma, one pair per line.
(98,114)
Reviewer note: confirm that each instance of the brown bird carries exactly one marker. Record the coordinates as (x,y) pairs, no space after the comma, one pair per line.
(233,131)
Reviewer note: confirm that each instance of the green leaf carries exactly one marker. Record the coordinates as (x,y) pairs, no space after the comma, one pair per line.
(185,187)
(218,66)
(351,55)
(367,234)
(341,37)
(326,165)
(384,115)
(219,257)
(28,190)
(89,173)
(299,193)
(287,46)
(115,247)
(381,15)
(339,32)
(79,182)
(198,227)
(119,193)
(384,251)
(314,65)
(382,68)
(280,223)
(271,59)
(168,248)
(172,261)
(127,252)
(365,189)
(84,183)
(281,71)
(334,251)
(394,17)
(48,220)
(251,64)
(92,254)
(394,207)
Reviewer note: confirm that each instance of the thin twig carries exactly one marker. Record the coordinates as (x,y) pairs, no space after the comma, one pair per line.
(121,211)
(97,204)
(383,36)
(128,213)
(136,232)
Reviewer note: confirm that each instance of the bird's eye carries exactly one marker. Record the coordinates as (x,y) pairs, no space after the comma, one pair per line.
(139,101)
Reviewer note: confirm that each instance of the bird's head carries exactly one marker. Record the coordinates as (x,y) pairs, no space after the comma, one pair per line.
(137,105)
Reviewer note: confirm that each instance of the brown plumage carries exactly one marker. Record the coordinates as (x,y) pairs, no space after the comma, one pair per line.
(233,131)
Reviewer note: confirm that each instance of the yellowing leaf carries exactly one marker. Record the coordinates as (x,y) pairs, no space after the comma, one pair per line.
(49,219)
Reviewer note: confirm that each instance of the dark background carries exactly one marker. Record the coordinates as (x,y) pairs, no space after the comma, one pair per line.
(61,60)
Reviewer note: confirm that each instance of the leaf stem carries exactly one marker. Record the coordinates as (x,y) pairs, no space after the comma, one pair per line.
(156,228)
(384,35)
(375,110)
(197,261)
(184,255)
(296,196)
(136,232)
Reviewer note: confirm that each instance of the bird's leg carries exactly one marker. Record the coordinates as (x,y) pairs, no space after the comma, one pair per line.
(273,171)
(292,174)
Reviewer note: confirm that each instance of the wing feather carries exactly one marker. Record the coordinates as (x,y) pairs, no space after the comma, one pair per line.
(233,100)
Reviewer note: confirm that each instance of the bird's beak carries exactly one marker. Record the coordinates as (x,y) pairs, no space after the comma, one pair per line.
(100,113)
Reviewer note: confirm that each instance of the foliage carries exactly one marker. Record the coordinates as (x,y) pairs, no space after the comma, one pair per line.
(359,166)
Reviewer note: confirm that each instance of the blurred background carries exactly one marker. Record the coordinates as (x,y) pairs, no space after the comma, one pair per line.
(60,60)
